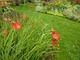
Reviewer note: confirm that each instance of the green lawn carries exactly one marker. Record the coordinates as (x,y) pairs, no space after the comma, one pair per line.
(68,46)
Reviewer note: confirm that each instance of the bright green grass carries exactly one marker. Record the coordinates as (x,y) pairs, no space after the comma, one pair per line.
(69,32)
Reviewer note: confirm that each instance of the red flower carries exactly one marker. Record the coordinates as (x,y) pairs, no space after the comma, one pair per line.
(55,35)
(31,7)
(15,25)
(3,2)
(32,24)
(4,33)
(9,3)
(24,16)
(9,20)
(0,5)
(5,19)
(53,43)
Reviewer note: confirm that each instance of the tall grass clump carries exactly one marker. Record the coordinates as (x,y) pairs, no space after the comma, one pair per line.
(22,39)
(27,43)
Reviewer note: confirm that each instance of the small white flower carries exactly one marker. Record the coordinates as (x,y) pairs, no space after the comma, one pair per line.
(38,8)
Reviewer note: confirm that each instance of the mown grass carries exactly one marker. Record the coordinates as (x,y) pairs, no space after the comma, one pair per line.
(69,32)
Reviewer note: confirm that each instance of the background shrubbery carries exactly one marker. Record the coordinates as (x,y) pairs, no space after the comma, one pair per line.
(61,8)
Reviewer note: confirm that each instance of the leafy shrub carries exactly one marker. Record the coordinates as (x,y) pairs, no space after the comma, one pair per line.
(5,7)
(55,13)
(78,9)
(7,11)
(72,13)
